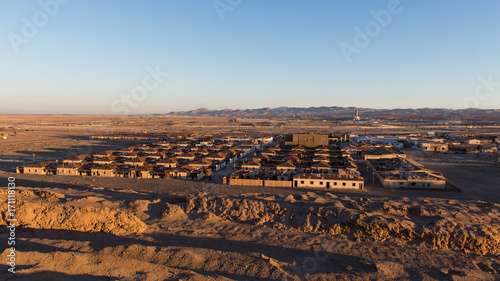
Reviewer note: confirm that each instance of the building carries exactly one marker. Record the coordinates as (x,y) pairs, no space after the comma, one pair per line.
(411,180)
(308,140)
(36,169)
(321,166)
(286,166)
(69,169)
(382,153)
(479,141)
(328,181)
(432,146)
(400,173)
(201,163)
(356,116)
(103,171)
(178,173)
(76,159)
(251,165)
(138,161)
(168,162)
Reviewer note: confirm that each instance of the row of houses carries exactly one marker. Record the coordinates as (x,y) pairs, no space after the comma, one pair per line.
(283,157)
(299,166)
(183,159)
(113,170)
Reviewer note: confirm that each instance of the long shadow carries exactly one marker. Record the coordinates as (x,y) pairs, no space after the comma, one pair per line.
(77,137)
(336,263)
(47,276)
(50,152)
(322,192)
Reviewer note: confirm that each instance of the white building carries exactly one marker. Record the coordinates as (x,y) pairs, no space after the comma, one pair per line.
(328,181)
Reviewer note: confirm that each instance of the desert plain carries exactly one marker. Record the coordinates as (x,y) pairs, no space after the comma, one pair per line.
(88,228)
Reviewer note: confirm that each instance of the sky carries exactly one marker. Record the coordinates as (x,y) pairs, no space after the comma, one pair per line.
(142,57)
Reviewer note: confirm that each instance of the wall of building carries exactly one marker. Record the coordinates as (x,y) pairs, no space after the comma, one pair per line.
(429,184)
(34,171)
(434,147)
(327,183)
(275,183)
(146,175)
(383,156)
(68,171)
(245,182)
(103,173)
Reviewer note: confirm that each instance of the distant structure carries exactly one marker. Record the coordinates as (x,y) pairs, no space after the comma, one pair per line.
(308,140)
(356,116)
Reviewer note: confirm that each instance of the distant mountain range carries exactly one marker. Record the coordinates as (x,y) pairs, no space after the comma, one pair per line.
(334,110)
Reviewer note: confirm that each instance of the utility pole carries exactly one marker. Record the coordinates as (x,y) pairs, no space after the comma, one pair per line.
(373,177)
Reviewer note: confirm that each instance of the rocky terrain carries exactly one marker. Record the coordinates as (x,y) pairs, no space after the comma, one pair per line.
(105,234)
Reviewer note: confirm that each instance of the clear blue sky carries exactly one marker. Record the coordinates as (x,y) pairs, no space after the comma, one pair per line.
(263,53)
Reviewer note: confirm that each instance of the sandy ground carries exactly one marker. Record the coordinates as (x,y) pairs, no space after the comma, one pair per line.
(121,229)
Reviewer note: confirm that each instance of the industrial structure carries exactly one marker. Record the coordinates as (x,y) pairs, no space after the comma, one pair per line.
(356,116)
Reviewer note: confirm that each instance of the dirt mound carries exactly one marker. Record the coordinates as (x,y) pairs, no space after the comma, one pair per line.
(290,199)
(259,236)
(436,225)
(89,219)
(26,193)
(174,213)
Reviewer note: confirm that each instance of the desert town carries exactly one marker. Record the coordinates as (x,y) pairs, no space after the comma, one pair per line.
(294,160)
(176,200)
